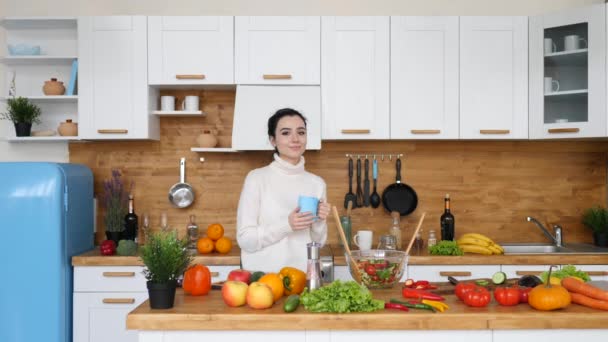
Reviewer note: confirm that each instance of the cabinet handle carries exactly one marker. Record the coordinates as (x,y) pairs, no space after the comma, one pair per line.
(190,77)
(119,274)
(455,274)
(563,130)
(112,131)
(425,131)
(494,131)
(356,131)
(215,274)
(523,273)
(118,300)
(597,273)
(276,77)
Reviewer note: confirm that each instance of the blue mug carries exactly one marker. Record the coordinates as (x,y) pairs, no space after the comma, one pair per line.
(308,204)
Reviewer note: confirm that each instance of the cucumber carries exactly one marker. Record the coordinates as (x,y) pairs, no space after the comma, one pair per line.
(291,303)
(255,276)
(482,282)
(499,278)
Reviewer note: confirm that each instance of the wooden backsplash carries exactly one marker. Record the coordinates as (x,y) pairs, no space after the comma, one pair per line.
(494,185)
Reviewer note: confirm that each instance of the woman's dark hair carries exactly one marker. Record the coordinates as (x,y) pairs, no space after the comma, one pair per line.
(273,121)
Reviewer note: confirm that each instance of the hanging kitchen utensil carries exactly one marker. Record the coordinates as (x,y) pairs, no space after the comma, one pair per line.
(366,184)
(375,198)
(359,191)
(181,194)
(350,196)
(399,196)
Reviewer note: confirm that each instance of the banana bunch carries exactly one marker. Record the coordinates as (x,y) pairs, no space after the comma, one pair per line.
(478,244)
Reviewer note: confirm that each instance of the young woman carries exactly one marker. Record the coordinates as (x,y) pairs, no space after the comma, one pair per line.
(271,230)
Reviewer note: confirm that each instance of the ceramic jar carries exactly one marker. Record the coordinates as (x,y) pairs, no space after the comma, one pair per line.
(53,87)
(68,128)
(207,139)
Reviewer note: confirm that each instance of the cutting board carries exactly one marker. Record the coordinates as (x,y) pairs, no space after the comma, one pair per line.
(446,288)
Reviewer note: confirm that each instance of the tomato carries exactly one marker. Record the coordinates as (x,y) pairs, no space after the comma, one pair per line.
(523,294)
(370,269)
(507,296)
(463,288)
(478,297)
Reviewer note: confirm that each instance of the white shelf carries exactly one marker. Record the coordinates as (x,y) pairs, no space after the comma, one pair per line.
(213,149)
(565,53)
(567,92)
(40,139)
(49,98)
(178,113)
(567,58)
(38,59)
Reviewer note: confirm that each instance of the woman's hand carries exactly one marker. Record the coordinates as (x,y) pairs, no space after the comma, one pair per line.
(299,221)
(323,210)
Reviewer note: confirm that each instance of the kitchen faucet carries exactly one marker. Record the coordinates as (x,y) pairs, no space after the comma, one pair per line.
(557,239)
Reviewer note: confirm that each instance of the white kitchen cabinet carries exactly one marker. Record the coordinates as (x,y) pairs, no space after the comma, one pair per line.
(114,99)
(494,77)
(516,271)
(441,272)
(596,272)
(424,77)
(355,77)
(277,50)
(190,50)
(573,104)
(554,335)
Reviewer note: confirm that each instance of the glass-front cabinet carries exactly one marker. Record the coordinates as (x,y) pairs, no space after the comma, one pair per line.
(568,74)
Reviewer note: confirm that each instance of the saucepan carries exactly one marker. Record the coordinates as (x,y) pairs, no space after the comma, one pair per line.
(181,194)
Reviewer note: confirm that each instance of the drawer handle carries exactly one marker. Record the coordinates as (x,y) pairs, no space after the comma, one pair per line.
(119,274)
(215,274)
(118,300)
(455,274)
(190,77)
(523,273)
(494,131)
(276,77)
(425,131)
(597,273)
(356,131)
(564,130)
(112,131)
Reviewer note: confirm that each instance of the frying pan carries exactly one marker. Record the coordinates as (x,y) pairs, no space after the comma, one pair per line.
(181,194)
(399,196)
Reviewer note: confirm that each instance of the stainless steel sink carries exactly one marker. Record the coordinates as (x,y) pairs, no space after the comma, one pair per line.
(541,248)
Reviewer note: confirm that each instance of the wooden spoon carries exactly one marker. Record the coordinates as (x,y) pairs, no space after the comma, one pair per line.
(353,264)
(409,246)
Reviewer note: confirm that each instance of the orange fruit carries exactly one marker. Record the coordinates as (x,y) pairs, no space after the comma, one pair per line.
(275,281)
(223,245)
(204,245)
(215,231)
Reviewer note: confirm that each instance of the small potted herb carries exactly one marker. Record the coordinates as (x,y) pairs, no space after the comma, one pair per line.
(596,218)
(23,114)
(115,203)
(166,258)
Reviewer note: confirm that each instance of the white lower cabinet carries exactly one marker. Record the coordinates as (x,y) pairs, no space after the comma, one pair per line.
(460,272)
(516,271)
(553,335)
(596,272)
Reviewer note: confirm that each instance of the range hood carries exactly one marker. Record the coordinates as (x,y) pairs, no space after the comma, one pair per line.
(255,104)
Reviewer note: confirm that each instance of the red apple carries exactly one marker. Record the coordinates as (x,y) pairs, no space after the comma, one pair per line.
(234,293)
(240,275)
(259,296)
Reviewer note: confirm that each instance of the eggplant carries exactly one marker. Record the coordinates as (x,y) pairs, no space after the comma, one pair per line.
(529,281)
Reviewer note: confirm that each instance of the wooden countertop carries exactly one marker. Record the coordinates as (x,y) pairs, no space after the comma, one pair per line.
(210,313)
(94,258)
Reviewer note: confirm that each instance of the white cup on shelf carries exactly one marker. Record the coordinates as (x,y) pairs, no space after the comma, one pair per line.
(363,239)
(572,42)
(167,103)
(551,85)
(550,46)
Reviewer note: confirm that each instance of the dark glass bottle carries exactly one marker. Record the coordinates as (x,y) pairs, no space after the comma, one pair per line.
(447,221)
(131,222)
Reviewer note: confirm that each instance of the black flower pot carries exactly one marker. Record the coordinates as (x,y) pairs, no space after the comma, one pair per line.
(161,296)
(23,129)
(114,236)
(600,239)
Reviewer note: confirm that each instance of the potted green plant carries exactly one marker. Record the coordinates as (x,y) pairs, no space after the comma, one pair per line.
(115,203)
(596,218)
(23,114)
(166,258)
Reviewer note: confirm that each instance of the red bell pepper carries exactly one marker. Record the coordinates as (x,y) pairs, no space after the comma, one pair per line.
(197,280)
(107,247)
(420,294)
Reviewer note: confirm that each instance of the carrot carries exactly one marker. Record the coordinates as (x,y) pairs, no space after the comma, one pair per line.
(588,301)
(577,286)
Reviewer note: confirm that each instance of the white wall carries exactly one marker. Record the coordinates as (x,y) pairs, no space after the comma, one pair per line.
(59,152)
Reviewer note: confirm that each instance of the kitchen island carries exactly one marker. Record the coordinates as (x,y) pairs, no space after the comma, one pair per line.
(199,318)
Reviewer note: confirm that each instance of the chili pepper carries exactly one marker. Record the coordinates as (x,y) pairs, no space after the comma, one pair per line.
(421,282)
(420,294)
(440,306)
(396,306)
(421,306)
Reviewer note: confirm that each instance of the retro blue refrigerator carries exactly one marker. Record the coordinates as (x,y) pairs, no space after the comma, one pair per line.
(46,217)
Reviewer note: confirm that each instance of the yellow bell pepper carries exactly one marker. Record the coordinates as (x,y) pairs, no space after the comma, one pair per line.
(294,280)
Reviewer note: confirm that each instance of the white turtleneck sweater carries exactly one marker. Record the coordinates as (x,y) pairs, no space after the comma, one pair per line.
(263,233)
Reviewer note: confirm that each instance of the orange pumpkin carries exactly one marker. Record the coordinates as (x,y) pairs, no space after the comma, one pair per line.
(197,280)
(275,281)
(546,297)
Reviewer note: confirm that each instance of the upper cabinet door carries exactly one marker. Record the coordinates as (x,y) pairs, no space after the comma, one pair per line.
(277,50)
(355,77)
(568,74)
(190,50)
(424,77)
(113,87)
(493,77)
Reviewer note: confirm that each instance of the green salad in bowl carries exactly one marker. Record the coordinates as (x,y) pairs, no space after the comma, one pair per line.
(378,268)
